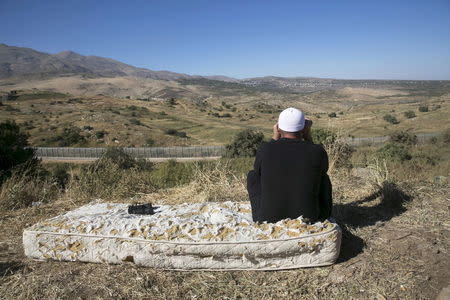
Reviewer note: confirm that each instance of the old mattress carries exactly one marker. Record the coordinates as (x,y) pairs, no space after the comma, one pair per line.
(213,236)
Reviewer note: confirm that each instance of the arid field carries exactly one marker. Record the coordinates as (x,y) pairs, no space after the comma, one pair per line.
(215,119)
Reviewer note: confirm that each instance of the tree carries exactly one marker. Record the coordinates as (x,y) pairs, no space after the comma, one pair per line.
(245,143)
(14,148)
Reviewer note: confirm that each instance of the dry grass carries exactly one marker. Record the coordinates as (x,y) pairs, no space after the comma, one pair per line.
(24,188)
(391,251)
(216,183)
(396,243)
(106,180)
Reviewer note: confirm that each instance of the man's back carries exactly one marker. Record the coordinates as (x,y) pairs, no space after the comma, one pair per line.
(289,180)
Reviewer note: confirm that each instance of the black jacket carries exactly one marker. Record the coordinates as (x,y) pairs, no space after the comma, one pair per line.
(290,180)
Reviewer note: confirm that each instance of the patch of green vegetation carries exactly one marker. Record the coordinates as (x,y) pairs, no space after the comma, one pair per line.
(403,137)
(69,137)
(100,134)
(332,115)
(245,144)
(423,108)
(267,108)
(323,136)
(40,95)
(14,148)
(175,132)
(410,114)
(172,173)
(390,119)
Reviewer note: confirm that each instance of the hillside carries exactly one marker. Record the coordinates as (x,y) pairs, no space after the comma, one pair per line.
(48,93)
(20,62)
(102,120)
(69,72)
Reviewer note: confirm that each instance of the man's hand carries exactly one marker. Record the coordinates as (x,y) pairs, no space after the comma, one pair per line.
(307,130)
(276,133)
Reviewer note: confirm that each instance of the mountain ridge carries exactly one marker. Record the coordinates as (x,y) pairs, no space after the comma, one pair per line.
(21,61)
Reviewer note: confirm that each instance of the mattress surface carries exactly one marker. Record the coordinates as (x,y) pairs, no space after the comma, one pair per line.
(215,236)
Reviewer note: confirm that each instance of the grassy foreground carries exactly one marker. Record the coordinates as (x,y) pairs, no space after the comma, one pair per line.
(394,214)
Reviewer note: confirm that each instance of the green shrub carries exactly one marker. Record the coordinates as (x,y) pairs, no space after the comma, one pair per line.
(100,134)
(245,143)
(391,119)
(403,137)
(123,160)
(60,176)
(175,132)
(118,157)
(423,108)
(172,173)
(70,136)
(332,115)
(395,151)
(323,136)
(14,149)
(410,114)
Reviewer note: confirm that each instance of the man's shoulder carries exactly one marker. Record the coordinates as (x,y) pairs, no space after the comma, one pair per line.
(303,146)
(285,142)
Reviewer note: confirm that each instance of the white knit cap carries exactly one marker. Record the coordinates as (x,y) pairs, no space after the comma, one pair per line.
(291,120)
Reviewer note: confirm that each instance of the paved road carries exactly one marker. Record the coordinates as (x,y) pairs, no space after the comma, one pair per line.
(85,160)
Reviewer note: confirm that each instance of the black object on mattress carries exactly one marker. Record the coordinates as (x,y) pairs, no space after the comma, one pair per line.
(141,209)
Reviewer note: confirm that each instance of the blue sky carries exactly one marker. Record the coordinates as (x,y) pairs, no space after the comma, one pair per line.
(322,38)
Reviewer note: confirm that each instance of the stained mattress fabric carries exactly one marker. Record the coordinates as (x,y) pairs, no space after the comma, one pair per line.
(213,236)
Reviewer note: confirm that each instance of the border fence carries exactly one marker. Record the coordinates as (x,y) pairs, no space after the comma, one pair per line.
(186,152)
(376,140)
(140,152)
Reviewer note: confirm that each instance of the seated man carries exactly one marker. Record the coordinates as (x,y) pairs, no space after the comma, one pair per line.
(290,174)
